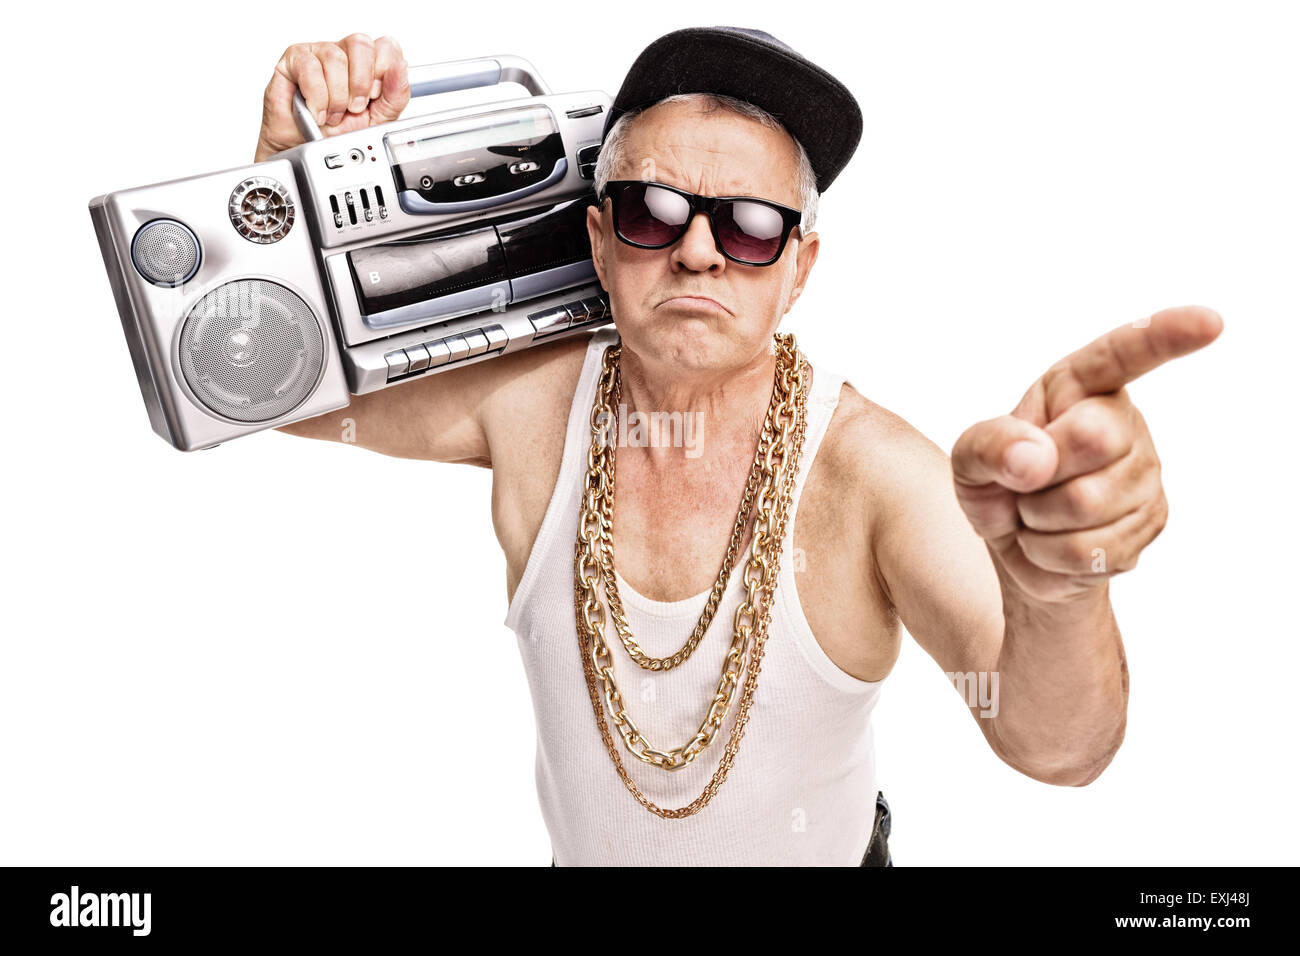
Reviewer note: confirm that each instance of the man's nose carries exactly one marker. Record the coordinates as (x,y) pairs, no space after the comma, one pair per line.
(696,248)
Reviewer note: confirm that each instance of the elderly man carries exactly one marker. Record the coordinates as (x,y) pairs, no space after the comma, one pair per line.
(752,582)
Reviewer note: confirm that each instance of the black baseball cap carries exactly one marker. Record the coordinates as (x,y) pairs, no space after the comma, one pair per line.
(754,66)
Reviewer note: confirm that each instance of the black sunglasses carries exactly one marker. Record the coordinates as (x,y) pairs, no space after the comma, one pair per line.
(750,231)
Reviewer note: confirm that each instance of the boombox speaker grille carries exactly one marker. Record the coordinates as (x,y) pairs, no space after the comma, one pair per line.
(251,350)
(165,252)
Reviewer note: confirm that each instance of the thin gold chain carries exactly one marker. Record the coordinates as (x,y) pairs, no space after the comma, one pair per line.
(616,612)
(732,664)
(752,617)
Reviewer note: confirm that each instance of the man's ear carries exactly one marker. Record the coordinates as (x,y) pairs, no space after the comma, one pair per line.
(596,233)
(809,246)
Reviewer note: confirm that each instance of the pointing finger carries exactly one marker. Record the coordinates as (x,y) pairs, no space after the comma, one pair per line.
(1123,354)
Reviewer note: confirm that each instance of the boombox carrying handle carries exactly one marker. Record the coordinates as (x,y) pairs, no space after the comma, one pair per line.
(434,78)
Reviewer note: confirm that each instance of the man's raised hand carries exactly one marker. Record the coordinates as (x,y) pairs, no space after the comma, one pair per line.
(349,85)
(1066,489)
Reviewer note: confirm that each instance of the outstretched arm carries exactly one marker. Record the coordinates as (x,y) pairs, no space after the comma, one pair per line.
(1029,636)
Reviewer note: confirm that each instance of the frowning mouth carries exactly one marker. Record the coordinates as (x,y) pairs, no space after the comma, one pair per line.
(695,303)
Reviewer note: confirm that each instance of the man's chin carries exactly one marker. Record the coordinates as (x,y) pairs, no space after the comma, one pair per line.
(682,341)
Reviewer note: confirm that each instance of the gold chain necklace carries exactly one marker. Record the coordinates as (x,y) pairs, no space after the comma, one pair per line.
(753,615)
(615,600)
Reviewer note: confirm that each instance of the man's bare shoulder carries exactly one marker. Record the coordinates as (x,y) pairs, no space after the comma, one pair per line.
(527,403)
(879,470)
(874,451)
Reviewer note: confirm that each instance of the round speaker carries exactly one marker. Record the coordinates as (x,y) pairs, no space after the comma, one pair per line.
(261,210)
(251,350)
(166,252)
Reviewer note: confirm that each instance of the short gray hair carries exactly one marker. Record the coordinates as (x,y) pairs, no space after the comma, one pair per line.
(615,146)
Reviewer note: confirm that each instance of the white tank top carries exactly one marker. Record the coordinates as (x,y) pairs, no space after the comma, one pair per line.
(802,788)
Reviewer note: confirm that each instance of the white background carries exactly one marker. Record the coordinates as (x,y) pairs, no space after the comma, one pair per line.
(228,656)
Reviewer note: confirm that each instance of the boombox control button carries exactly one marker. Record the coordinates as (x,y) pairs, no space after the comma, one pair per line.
(583,111)
(459,347)
(550,320)
(478,343)
(419,356)
(595,308)
(469,179)
(578,311)
(333,161)
(439,354)
(398,363)
(496,336)
(528,166)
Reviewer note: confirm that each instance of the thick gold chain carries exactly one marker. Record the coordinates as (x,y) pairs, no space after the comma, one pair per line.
(752,617)
(615,600)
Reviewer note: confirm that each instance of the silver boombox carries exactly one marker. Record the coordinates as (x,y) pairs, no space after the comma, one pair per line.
(262,295)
